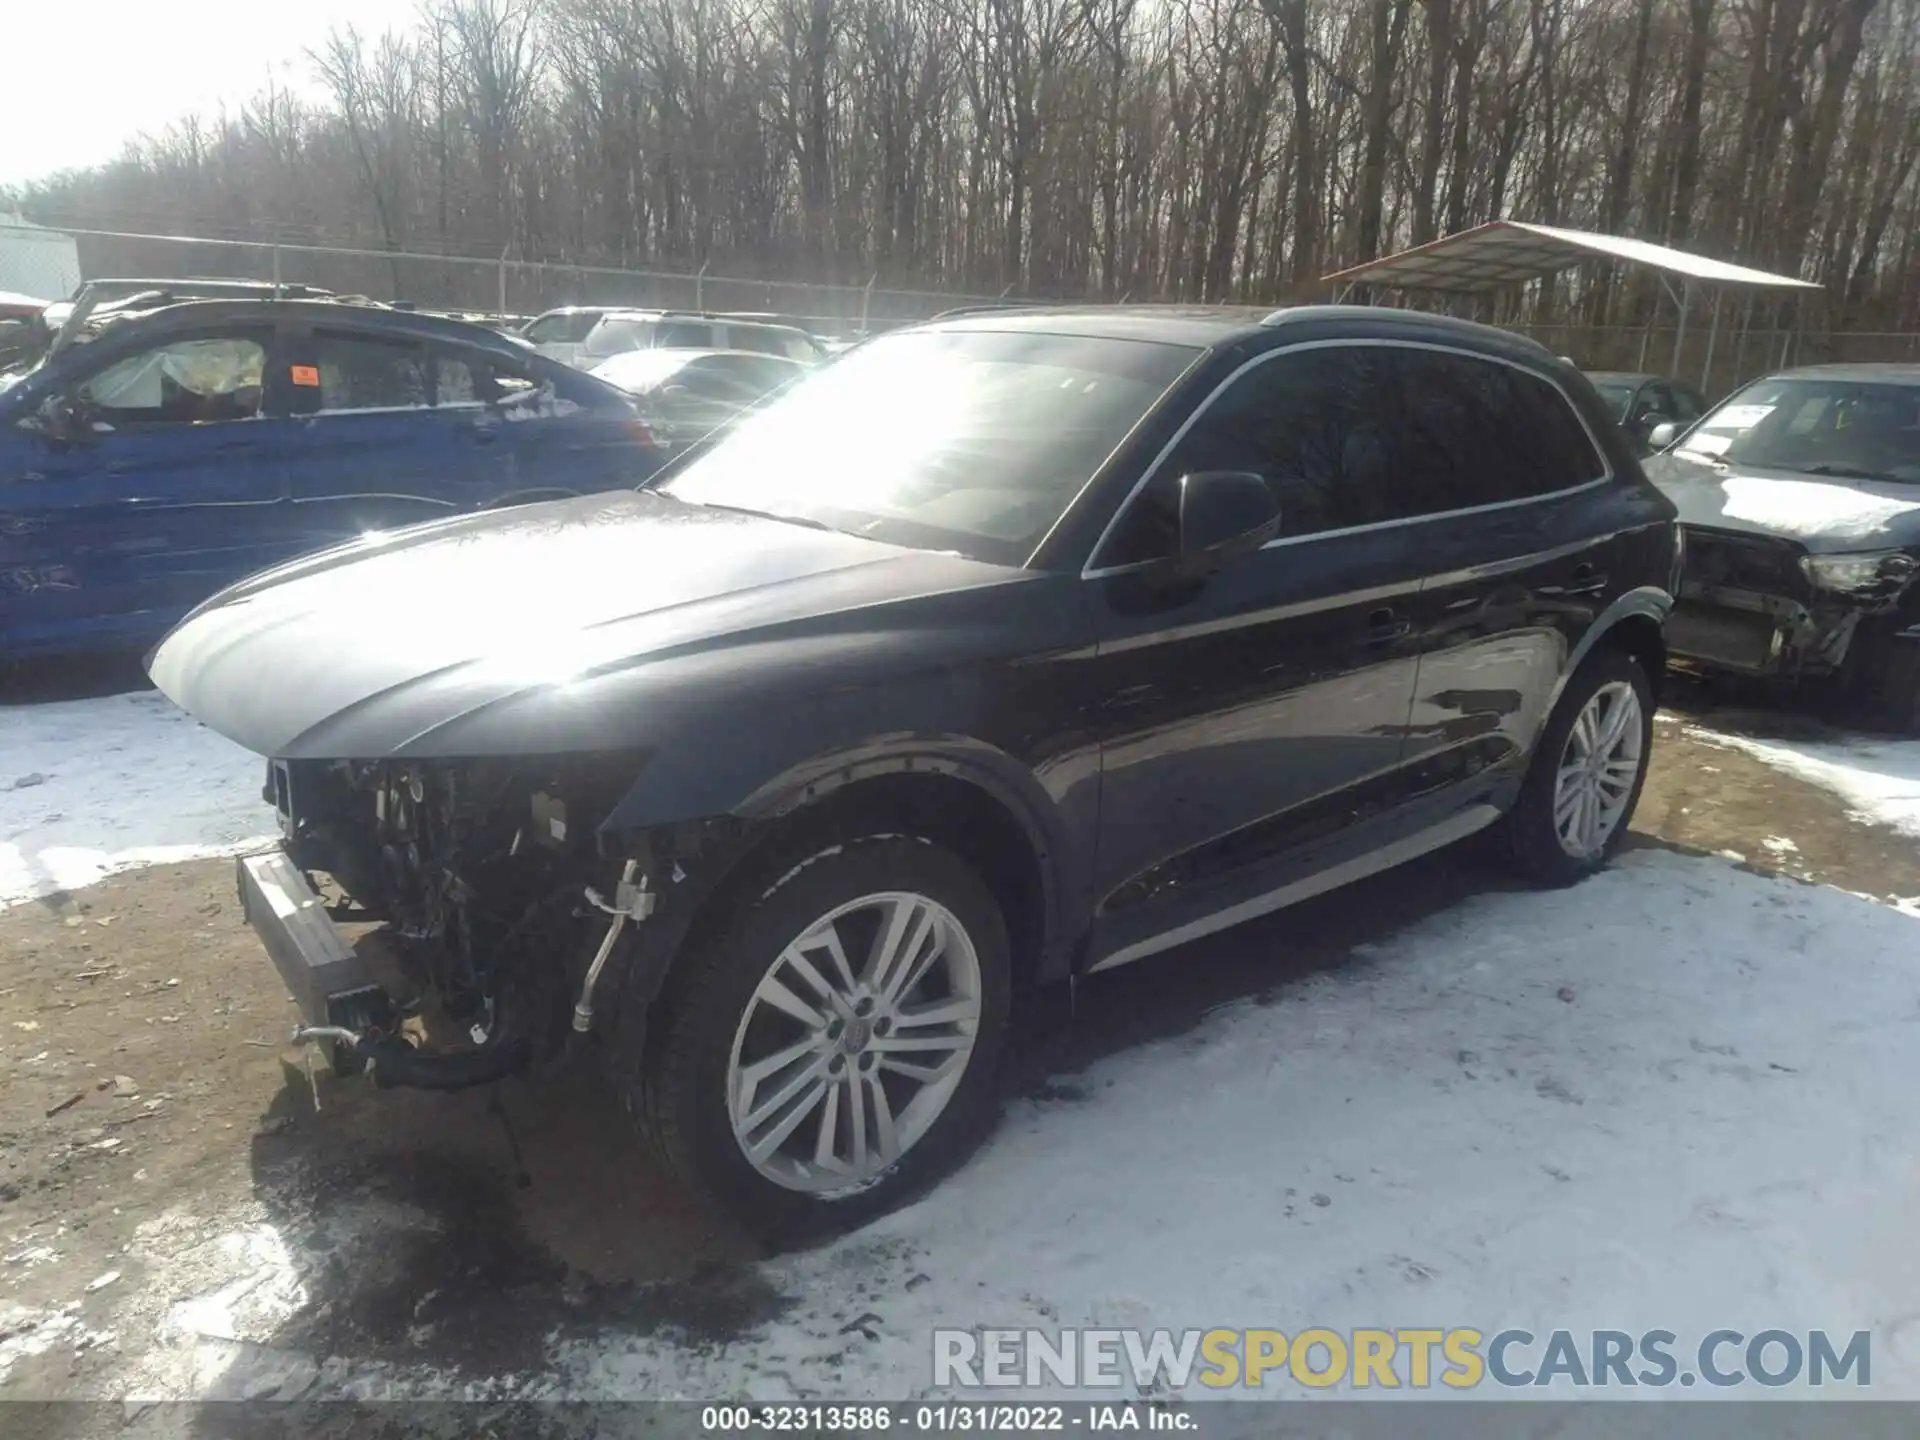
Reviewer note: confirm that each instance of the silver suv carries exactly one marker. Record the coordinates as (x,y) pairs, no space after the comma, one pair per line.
(615,332)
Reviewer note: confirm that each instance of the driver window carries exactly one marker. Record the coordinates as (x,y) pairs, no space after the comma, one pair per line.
(208,380)
(1300,420)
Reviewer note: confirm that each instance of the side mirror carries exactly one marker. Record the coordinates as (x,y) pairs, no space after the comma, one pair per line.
(1664,434)
(1225,516)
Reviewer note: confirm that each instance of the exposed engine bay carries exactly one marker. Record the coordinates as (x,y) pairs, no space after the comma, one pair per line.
(493,899)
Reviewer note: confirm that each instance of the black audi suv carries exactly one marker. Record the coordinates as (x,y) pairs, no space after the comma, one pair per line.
(1009,648)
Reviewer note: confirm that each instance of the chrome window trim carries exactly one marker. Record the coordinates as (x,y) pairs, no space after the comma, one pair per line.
(1607,473)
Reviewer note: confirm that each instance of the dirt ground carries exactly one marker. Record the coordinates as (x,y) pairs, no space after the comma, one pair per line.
(143,1074)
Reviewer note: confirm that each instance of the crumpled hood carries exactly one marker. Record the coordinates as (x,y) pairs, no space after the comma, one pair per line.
(1826,514)
(495,634)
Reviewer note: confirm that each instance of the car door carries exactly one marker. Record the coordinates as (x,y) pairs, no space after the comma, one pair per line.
(375,452)
(167,481)
(1251,726)
(1523,544)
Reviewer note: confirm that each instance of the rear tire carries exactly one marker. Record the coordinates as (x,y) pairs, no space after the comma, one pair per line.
(1587,773)
(786,1087)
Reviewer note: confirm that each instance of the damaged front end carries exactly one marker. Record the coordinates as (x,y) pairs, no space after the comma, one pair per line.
(1763,606)
(495,916)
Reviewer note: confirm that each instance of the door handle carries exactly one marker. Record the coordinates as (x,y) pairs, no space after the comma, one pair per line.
(480,434)
(1384,627)
(1586,581)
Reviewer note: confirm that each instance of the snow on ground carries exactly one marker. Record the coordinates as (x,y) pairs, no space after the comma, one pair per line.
(1678,1096)
(1879,779)
(91,787)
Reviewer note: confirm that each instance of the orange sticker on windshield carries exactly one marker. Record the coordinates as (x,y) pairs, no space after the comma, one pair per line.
(306,375)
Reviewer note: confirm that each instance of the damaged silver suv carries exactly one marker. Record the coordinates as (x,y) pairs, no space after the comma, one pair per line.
(1799,499)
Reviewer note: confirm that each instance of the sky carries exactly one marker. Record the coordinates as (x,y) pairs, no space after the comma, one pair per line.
(113,69)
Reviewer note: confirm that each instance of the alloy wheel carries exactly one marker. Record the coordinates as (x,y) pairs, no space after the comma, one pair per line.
(1598,768)
(854,1042)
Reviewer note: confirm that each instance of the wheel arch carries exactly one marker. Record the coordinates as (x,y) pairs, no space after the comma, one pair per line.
(968,796)
(1634,623)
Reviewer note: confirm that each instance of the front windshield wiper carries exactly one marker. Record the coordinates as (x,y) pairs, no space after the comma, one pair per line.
(1841,472)
(808,522)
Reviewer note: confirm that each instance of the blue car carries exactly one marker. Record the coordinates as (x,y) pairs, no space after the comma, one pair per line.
(183,449)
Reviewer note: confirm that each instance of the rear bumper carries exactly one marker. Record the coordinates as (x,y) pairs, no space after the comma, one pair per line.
(320,970)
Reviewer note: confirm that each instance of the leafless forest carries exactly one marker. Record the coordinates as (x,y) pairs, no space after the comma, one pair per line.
(1167,149)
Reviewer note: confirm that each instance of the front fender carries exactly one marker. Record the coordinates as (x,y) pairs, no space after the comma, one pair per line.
(702,782)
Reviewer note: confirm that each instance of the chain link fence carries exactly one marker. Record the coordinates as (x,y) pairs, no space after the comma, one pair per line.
(1718,357)
(480,285)
(1718,363)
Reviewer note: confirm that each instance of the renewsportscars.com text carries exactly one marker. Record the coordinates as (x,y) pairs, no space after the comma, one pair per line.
(1381,1359)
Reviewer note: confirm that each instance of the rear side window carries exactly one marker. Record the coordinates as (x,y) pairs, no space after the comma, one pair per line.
(561,329)
(1478,432)
(361,372)
(687,335)
(472,378)
(1354,435)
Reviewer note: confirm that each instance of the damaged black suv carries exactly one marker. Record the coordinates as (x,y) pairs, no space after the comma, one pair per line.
(1800,501)
(1006,649)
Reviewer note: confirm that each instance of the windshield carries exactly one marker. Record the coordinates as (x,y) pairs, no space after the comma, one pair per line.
(618,333)
(1848,428)
(1617,397)
(969,441)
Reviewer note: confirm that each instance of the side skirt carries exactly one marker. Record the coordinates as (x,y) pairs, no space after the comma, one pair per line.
(1457,826)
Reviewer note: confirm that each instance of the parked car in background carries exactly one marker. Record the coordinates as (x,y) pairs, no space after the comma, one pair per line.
(624,331)
(180,450)
(996,652)
(1800,497)
(1640,404)
(687,395)
(558,333)
(23,333)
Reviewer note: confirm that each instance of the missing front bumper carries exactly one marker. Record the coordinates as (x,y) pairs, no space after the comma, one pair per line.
(336,990)
(328,981)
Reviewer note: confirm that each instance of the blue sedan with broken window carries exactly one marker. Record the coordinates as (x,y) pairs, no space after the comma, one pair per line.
(182,449)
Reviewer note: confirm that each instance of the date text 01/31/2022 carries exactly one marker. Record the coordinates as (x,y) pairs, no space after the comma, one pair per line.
(943,1419)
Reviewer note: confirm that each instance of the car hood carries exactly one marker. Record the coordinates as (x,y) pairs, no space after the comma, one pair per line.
(1824,514)
(508,633)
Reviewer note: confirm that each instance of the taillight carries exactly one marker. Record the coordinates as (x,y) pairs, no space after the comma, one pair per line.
(640,432)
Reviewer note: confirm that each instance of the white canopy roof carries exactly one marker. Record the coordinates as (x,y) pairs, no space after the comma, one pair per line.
(1506,252)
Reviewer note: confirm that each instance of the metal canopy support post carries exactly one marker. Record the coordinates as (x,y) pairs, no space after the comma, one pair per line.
(1680,330)
(1786,330)
(1740,345)
(1713,336)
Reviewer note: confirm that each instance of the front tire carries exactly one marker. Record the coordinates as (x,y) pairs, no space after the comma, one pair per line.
(835,1045)
(1586,775)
